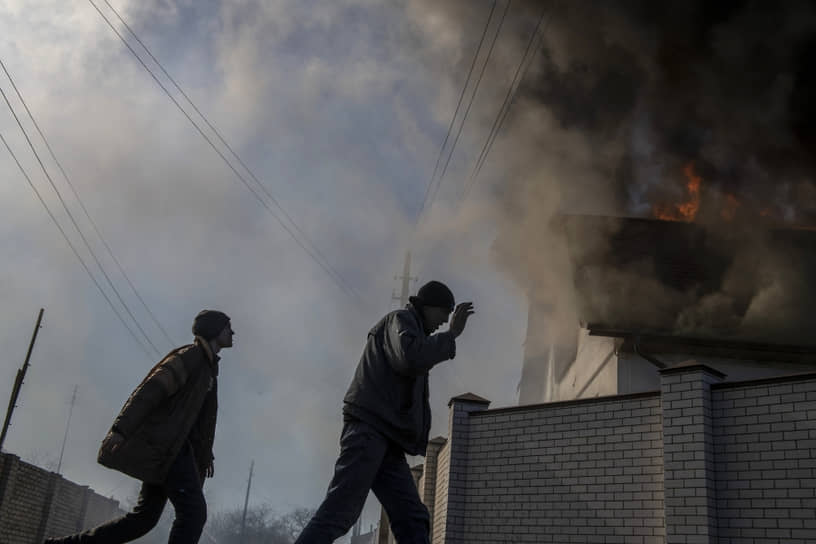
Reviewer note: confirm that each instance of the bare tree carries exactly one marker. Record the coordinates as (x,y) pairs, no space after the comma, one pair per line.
(263,525)
(295,521)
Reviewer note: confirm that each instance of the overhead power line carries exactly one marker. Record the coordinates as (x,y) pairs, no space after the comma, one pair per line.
(232,151)
(306,246)
(430,183)
(84,209)
(76,225)
(470,103)
(505,107)
(73,248)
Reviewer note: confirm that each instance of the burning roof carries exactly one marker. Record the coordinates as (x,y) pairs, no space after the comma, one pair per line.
(678,278)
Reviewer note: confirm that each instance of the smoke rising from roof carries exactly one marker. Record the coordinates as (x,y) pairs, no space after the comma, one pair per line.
(723,85)
(700,110)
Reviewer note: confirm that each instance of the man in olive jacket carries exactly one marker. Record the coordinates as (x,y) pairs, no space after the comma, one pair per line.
(387,414)
(164,436)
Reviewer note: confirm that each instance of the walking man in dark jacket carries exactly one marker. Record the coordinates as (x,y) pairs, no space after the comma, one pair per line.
(387,414)
(164,435)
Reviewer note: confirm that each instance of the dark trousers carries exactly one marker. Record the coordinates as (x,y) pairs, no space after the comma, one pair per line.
(369,461)
(182,487)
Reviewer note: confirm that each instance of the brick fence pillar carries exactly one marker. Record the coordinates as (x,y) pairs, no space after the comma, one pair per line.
(427,491)
(688,453)
(460,409)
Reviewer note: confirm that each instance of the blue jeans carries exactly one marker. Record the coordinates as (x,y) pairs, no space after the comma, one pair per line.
(369,461)
(182,487)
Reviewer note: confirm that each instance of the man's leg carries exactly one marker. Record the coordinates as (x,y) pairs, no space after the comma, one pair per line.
(139,522)
(183,488)
(395,489)
(361,452)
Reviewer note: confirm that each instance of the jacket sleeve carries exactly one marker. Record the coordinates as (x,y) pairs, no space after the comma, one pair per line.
(162,382)
(413,352)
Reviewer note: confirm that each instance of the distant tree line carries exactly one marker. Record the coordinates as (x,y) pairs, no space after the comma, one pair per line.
(263,526)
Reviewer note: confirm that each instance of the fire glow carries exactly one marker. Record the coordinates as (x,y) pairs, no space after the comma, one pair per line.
(685,211)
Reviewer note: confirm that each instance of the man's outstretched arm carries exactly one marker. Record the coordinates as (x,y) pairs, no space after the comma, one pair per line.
(416,353)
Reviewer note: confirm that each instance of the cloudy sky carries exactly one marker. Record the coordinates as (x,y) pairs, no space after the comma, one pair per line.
(339,107)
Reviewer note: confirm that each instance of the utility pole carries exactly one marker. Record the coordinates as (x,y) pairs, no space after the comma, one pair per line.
(246,501)
(406,282)
(67,425)
(18,382)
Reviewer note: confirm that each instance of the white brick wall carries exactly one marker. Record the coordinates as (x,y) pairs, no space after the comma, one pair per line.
(440,516)
(698,462)
(427,484)
(586,471)
(456,452)
(765,458)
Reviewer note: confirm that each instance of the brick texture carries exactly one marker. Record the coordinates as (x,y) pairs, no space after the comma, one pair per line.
(24,503)
(440,515)
(36,503)
(765,459)
(427,484)
(99,509)
(583,473)
(699,461)
(688,454)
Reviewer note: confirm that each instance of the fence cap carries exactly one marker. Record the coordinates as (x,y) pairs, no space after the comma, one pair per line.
(691,366)
(469,397)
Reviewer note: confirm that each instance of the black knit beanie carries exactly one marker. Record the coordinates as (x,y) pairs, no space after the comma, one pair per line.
(434,293)
(209,323)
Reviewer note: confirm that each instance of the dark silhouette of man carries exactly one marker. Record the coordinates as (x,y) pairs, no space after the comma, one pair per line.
(164,435)
(387,414)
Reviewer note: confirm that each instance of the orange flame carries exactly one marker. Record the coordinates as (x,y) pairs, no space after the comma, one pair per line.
(686,211)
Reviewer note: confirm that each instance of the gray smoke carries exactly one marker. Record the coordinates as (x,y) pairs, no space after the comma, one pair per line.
(724,85)
(624,105)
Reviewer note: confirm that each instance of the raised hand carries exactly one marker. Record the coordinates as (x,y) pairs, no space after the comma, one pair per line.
(460,316)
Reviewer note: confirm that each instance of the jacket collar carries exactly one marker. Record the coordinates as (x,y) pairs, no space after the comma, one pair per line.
(417,315)
(212,358)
